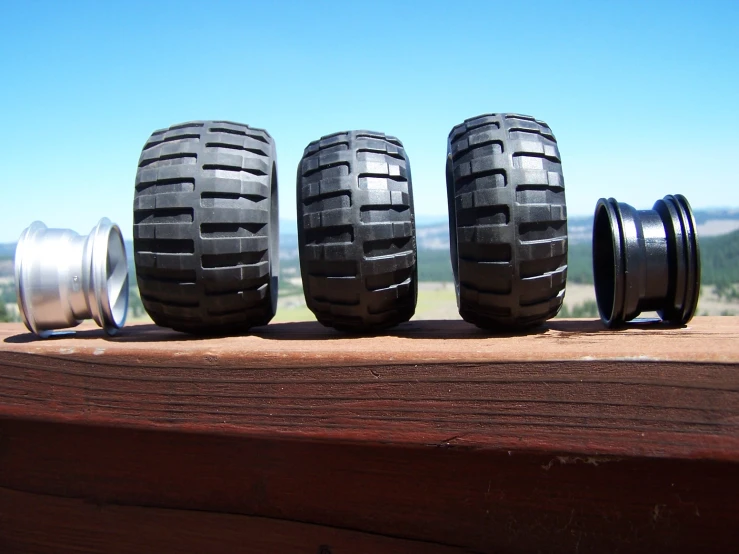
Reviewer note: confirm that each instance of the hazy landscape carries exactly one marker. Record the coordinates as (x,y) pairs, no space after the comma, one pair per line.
(718,232)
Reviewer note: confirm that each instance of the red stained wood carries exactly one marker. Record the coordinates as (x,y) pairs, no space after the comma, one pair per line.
(435,438)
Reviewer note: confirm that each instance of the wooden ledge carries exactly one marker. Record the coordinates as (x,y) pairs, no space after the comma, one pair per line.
(434,437)
(705,339)
(572,387)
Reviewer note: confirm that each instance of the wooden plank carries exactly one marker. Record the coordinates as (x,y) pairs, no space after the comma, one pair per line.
(116,529)
(597,397)
(572,438)
(482,501)
(478,500)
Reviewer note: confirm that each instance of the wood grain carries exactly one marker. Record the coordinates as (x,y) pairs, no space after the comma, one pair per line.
(118,529)
(434,438)
(482,501)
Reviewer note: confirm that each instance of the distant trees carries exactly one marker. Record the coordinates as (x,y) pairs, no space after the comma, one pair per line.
(5,315)
(135,306)
(435,265)
(580,263)
(7,293)
(587,309)
(719,263)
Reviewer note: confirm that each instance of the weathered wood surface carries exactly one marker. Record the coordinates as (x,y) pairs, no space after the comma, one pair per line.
(433,438)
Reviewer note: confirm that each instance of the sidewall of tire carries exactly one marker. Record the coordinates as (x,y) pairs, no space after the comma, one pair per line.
(274,239)
(452,207)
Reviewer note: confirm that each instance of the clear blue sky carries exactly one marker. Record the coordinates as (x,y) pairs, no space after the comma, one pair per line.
(643,98)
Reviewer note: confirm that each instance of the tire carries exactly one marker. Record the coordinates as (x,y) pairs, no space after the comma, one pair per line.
(206,227)
(507,221)
(356,231)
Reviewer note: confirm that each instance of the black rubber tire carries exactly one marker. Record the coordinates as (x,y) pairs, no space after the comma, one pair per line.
(507,221)
(356,231)
(206,227)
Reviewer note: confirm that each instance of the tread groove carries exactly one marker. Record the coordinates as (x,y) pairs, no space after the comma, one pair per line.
(457,133)
(544,302)
(173,138)
(538,132)
(329,235)
(163,215)
(536,155)
(396,178)
(184,157)
(336,269)
(323,148)
(523,117)
(555,188)
(379,136)
(163,186)
(239,147)
(237,259)
(484,215)
(311,200)
(194,125)
(320,168)
(231,200)
(222,230)
(389,246)
(395,155)
(542,266)
(170,302)
(233,168)
(467,179)
(464,151)
(238,132)
(171,246)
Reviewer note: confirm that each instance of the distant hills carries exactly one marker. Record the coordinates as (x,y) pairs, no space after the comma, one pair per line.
(435,236)
(718,231)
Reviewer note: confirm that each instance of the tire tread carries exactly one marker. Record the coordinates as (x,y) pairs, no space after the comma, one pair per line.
(505,185)
(201,226)
(356,231)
